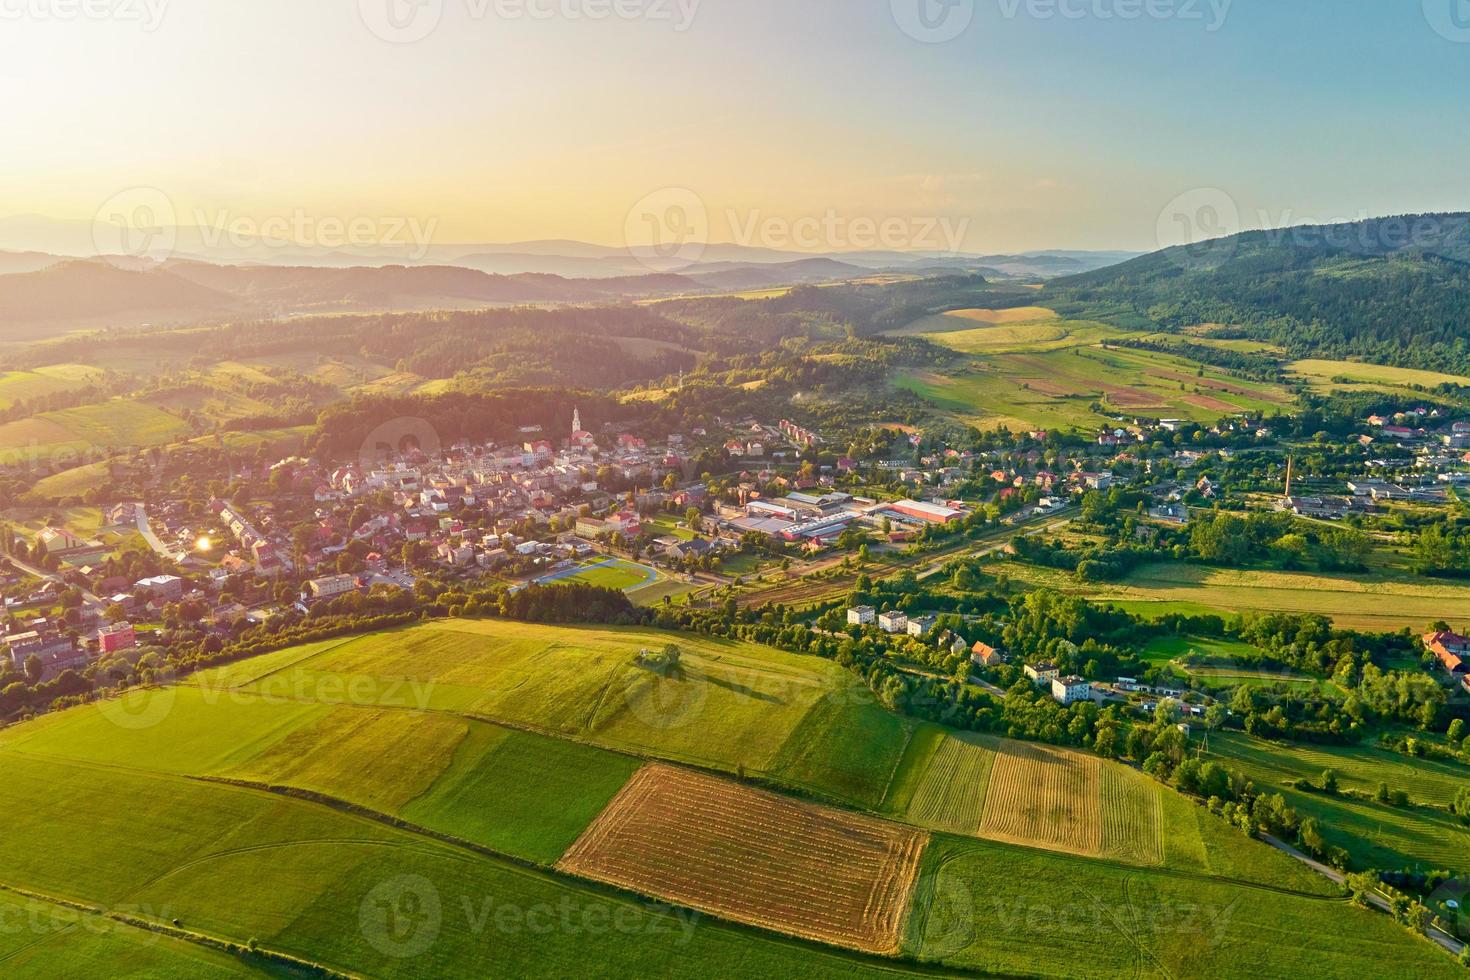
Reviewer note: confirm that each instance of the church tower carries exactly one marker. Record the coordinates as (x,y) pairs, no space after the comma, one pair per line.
(576,420)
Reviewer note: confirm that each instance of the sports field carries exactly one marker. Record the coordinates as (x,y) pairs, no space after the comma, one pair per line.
(605,573)
(1226,663)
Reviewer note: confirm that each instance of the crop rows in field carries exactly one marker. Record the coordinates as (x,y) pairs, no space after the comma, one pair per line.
(754,857)
(951,796)
(1042,796)
(1132,822)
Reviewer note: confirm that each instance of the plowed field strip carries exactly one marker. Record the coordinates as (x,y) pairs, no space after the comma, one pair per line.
(1044,797)
(1132,818)
(952,794)
(754,857)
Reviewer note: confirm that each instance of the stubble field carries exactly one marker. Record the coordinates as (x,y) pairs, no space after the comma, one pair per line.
(754,857)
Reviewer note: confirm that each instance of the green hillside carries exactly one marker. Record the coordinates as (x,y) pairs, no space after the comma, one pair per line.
(392,805)
(1389,290)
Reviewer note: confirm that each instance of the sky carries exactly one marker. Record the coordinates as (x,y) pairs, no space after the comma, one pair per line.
(816,125)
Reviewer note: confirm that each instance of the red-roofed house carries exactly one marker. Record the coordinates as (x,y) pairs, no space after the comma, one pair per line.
(1450,649)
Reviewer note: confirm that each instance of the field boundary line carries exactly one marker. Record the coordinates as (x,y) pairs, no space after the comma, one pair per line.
(531,869)
(183,935)
(342,641)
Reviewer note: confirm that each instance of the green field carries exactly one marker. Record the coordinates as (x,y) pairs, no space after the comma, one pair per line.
(1011,911)
(1346,375)
(176,805)
(1232,663)
(613,573)
(1422,836)
(732,705)
(1054,384)
(42,938)
(1377,602)
(118,424)
(23,385)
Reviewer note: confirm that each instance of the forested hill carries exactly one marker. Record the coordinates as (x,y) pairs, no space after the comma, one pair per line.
(1391,290)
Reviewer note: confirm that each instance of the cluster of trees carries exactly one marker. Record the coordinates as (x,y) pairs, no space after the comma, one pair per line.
(1233,539)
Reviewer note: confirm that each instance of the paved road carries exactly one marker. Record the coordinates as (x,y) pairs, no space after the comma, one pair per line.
(1450,943)
(41,573)
(1030,528)
(145,528)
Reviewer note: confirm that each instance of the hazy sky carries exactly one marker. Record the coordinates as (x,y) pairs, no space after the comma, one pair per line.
(1043,123)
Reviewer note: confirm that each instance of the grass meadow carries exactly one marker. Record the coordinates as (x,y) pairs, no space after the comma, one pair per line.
(1033,382)
(1008,910)
(468,757)
(1375,602)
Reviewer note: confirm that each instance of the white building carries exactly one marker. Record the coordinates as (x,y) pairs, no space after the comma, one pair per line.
(331,585)
(893,622)
(919,625)
(1042,674)
(861,615)
(1069,690)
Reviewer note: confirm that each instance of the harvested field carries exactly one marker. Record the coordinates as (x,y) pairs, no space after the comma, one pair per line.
(1042,796)
(952,794)
(1132,819)
(754,857)
(1208,403)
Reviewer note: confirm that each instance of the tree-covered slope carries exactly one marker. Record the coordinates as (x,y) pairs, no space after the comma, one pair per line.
(1392,290)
